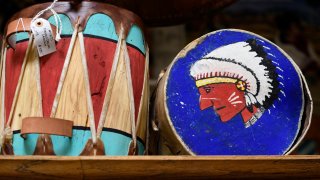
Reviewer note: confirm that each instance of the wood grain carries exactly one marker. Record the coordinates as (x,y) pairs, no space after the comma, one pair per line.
(51,68)
(99,58)
(143,113)
(169,142)
(118,115)
(159,167)
(28,99)
(138,72)
(87,88)
(2,81)
(14,62)
(73,104)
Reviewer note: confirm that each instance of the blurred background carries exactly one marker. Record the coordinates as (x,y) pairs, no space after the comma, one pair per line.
(294,25)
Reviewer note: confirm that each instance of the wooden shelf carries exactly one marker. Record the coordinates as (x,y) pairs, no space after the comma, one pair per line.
(52,167)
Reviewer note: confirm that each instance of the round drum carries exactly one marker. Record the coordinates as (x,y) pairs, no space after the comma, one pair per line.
(232,92)
(89,97)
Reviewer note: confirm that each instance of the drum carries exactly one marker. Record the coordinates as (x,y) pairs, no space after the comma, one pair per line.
(231,92)
(89,97)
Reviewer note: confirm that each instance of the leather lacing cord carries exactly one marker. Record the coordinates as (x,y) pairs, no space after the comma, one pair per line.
(3,131)
(88,92)
(56,17)
(111,82)
(131,105)
(64,71)
(145,92)
(7,132)
(30,46)
(121,46)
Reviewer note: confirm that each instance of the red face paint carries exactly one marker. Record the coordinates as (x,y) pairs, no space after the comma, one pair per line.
(226,100)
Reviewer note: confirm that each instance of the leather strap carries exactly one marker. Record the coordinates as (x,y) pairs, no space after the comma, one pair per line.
(93,149)
(22,26)
(41,125)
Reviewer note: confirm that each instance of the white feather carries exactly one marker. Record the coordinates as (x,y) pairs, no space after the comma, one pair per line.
(233,55)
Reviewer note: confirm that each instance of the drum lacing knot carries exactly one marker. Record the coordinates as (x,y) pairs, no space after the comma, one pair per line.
(133,148)
(6,142)
(6,135)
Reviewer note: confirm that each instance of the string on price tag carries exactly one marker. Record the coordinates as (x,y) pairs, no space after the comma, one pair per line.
(43,33)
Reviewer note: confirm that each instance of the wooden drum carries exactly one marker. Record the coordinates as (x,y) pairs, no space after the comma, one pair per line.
(232,92)
(89,97)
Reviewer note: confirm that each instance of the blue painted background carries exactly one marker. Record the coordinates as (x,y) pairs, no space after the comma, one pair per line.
(204,133)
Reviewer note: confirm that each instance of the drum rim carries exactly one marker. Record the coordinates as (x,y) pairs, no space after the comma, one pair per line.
(64,7)
(307,102)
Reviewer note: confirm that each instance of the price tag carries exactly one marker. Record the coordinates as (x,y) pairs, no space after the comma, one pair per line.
(43,36)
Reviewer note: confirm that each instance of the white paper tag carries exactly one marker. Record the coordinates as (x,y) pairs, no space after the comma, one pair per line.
(43,36)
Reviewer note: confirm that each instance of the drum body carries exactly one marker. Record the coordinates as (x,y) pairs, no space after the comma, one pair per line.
(97,79)
(232,92)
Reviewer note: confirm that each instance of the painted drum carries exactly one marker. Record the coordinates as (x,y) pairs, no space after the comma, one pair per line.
(90,97)
(232,92)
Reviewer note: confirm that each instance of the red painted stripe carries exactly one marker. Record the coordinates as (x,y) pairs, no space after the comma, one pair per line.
(100,54)
(137,63)
(14,60)
(50,71)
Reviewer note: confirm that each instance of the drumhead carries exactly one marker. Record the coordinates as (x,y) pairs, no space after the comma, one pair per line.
(232,92)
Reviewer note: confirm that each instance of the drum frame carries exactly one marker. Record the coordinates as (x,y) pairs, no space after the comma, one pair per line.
(171,143)
(122,29)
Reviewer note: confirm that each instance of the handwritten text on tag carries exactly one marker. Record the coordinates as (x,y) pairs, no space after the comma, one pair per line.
(43,36)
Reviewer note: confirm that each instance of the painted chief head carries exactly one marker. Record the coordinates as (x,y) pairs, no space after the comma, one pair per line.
(236,79)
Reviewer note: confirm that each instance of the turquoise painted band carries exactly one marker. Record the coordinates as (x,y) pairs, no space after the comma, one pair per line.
(102,25)
(115,144)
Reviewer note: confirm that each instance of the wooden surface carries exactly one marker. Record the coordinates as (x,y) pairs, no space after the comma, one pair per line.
(28,105)
(73,93)
(306,167)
